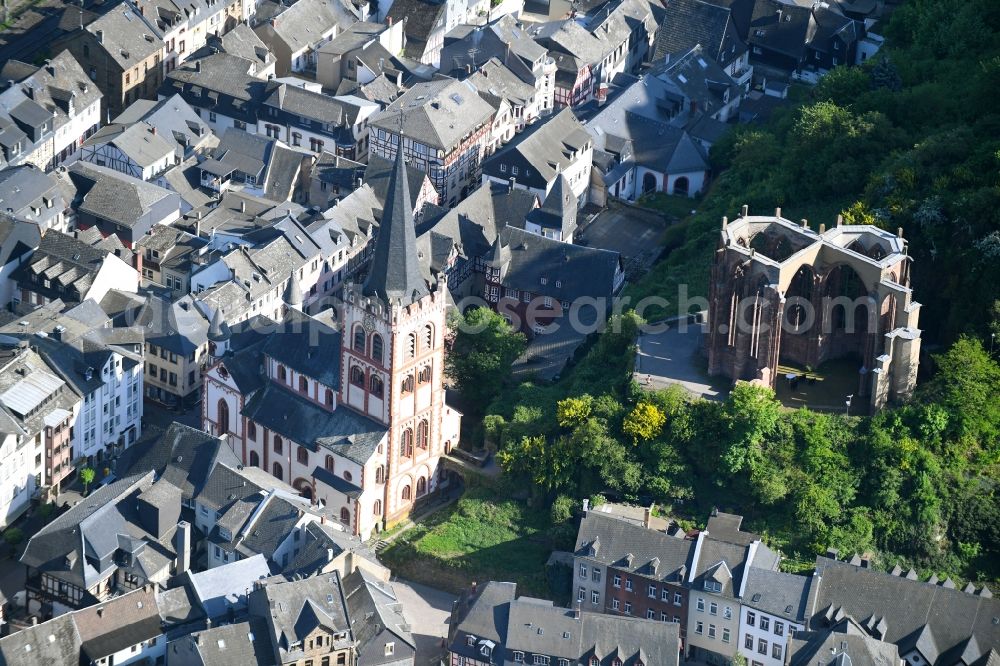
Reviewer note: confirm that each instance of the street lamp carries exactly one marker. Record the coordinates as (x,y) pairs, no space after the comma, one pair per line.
(848,403)
(993,338)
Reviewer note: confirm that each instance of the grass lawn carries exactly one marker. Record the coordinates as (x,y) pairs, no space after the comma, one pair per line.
(482,537)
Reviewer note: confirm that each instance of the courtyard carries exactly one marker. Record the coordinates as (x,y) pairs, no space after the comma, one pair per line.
(825,388)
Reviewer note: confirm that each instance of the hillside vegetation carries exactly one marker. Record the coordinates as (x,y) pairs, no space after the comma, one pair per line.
(911,140)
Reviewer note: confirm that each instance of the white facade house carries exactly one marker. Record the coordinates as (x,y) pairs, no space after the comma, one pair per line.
(17,473)
(774,608)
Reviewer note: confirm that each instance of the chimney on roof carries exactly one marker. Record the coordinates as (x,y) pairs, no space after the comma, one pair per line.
(243,205)
(840,220)
(329,555)
(586,506)
(182,546)
(822,228)
(513,184)
(744,210)
(100,36)
(153,130)
(197,65)
(777,212)
(576,611)
(646,515)
(34,620)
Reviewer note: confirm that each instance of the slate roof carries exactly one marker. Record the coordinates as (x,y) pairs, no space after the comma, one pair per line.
(937,618)
(394,275)
(139,142)
(117,197)
(372,607)
(495,619)
(126,38)
(303,24)
(183,455)
(780,27)
(239,644)
(25,187)
(318,543)
(293,609)
(174,120)
(242,41)
(302,421)
(495,78)
(307,346)
(54,642)
(437,113)
(558,210)
(570,271)
(66,262)
(777,593)
(614,539)
(846,644)
(423,18)
(548,148)
(378,173)
(688,23)
(117,624)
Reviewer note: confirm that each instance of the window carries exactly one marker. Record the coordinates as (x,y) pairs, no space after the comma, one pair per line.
(212,117)
(699,627)
(748,642)
(277,444)
(428,337)
(725,635)
(595,597)
(357,376)
(713,608)
(303,384)
(711,631)
(328,398)
(779,628)
(650,614)
(377,508)
(376,386)
(519,657)
(407,385)
(302,455)
(345,515)
(765,623)
(359,339)
(411,345)
(421,487)
(776,650)
(254,459)
(424,376)
(328,463)
(581,594)
(618,580)
(223,418)
(701,605)
(664,594)
(277,471)
(762,646)
(377,348)
(596,576)
(727,612)
(422,435)
(390,649)
(751,619)
(651,592)
(678,599)
(406,445)
(282,374)
(628,584)
(628,607)
(664,617)
(540,660)
(583,571)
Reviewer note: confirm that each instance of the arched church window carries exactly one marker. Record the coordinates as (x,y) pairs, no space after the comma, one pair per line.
(377,350)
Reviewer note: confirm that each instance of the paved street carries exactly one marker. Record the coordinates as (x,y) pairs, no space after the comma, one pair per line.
(673,357)
(427,610)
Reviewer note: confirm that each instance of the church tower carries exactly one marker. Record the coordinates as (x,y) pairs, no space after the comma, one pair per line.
(392,364)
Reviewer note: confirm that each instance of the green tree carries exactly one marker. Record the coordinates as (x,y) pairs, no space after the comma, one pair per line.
(483,350)
(13,535)
(46,511)
(966,386)
(87,477)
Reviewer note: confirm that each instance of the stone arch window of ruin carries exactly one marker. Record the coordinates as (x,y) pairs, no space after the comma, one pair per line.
(877,252)
(742,242)
(800,290)
(844,282)
(857,246)
(773,245)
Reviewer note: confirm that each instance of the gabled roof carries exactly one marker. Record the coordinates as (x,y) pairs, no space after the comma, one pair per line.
(125,37)
(688,23)
(615,539)
(545,150)
(777,593)
(119,198)
(917,615)
(373,607)
(438,113)
(303,24)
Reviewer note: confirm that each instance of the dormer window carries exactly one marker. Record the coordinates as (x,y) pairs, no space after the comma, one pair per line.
(470,640)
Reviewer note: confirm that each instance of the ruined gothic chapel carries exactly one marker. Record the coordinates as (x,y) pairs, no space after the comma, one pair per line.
(783,293)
